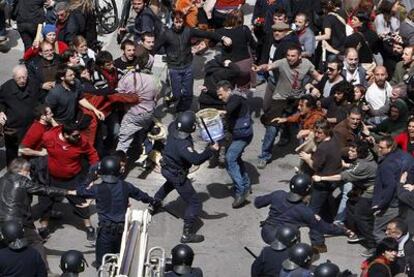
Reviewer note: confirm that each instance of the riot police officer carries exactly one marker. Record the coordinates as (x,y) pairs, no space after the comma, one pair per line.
(112,200)
(182,259)
(327,269)
(72,263)
(269,262)
(18,258)
(179,155)
(299,261)
(290,208)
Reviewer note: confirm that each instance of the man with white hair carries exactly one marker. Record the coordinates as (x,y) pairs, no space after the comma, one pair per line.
(17,101)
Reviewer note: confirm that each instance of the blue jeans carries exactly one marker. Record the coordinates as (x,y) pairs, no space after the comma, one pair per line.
(236,167)
(341,214)
(182,81)
(268,141)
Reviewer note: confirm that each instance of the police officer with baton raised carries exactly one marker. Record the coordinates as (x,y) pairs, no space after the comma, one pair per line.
(179,155)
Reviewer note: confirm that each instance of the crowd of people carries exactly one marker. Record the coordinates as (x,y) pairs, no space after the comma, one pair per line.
(339,83)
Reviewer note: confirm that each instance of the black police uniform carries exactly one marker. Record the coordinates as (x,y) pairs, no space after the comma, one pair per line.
(269,262)
(195,272)
(112,200)
(296,214)
(179,155)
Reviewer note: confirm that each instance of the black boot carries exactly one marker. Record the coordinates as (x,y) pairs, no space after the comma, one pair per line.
(189,236)
(239,201)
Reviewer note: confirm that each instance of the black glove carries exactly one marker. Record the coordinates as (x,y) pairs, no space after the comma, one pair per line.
(154,206)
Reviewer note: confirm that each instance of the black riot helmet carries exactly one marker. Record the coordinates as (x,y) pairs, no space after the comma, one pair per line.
(182,258)
(299,255)
(299,185)
(327,269)
(110,169)
(13,233)
(185,124)
(72,261)
(286,236)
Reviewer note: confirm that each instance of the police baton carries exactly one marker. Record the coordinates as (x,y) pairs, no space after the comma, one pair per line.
(250,252)
(208,132)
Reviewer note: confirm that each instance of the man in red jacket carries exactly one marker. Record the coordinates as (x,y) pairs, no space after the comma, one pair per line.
(66,148)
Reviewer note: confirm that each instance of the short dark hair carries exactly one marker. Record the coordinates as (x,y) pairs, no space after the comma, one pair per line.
(362,148)
(177,14)
(147,34)
(355,110)
(310,101)
(226,85)
(324,125)
(343,87)
(389,141)
(103,57)
(294,47)
(68,54)
(280,12)
(387,244)
(335,59)
(400,225)
(40,110)
(61,72)
(125,43)
(69,128)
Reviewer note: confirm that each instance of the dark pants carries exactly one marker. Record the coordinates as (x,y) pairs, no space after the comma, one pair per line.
(320,194)
(182,81)
(46,203)
(2,22)
(361,220)
(27,32)
(108,240)
(186,190)
(11,142)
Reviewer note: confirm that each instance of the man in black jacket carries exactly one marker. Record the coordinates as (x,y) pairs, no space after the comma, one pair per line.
(240,126)
(16,190)
(17,101)
(177,44)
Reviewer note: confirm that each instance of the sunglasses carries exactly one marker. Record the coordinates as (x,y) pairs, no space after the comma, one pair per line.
(330,69)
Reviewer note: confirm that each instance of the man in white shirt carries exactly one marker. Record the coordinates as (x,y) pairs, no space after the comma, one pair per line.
(378,95)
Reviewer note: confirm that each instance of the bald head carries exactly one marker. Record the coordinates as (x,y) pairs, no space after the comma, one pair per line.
(380,76)
(20,75)
(351,59)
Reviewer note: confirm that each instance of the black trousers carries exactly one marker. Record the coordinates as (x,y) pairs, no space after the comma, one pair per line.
(360,219)
(108,240)
(46,203)
(27,32)
(187,192)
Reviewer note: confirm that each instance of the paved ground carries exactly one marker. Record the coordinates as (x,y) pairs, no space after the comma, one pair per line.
(226,230)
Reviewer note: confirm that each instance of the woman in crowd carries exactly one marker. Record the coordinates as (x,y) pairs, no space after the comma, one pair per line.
(242,44)
(385,22)
(86,55)
(379,265)
(49,34)
(405,140)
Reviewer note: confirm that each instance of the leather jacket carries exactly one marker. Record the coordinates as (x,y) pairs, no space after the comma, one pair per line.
(16,196)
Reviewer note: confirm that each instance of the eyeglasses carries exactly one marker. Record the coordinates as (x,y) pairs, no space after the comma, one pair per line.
(330,69)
